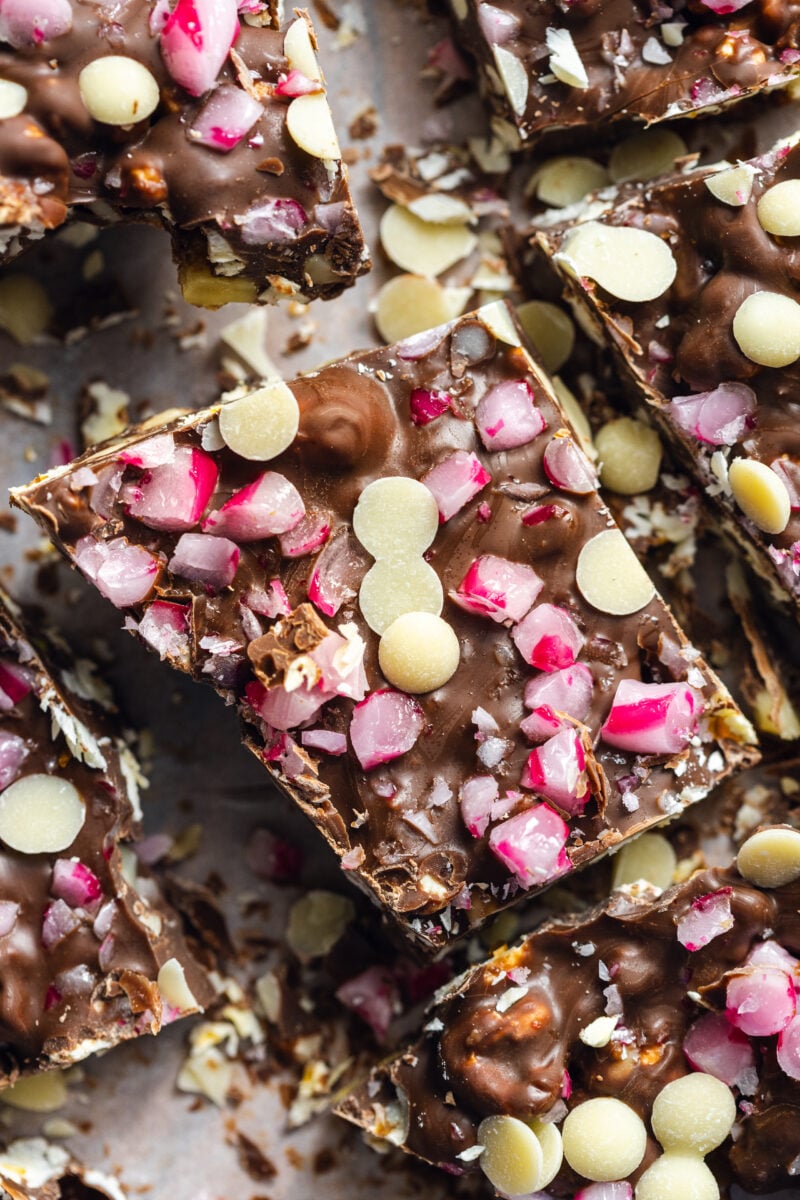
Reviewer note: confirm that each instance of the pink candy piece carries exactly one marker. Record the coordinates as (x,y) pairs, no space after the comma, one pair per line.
(337,573)
(272,857)
(789,1049)
(719,418)
(708,917)
(123,573)
(548,638)
(31,22)
(498,588)
(544,512)
(714,1046)
(286,710)
(307,536)
(531,845)
(341,664)
(205,559)
(566,691)
(557,771)
(173,497)
(372,995)
(477,797)
(497,25)
(272,221)
(419,345)
(154,452)
(326,740)
(652,718)
(427,405)
(567,467)
(196,39)
(74,883)
(456,481)
(789,473)
(507,417)
(13,753)
(619,1190)
(59,922)
(384,726)
(9,912)
(225,118)
(268,506)
(15,684)
(165,627)
(724,7)
(295,83)
(760,1001)
(271,601)
(773,954)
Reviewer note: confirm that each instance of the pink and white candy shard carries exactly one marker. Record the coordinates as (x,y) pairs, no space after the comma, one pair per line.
(455,481)
(383,726)
(707,918)
(652,718)
(498,588)
(531,845)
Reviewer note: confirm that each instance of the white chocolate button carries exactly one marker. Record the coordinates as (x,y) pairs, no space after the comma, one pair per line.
(118,90)
(299,51)
(565,61)
(549,1136)
(173,987)
(630,456)
(37,1093)
(610,577)
(733,186)
(567,179)
(514,77)
(262,424)
(410,304)
(550,330)
(25,308)
(649,857)
(497,319)
(693,1114)
(391,588)
(760,493)
(309,121)
(13,98)
(419,652)
(396,517)
(40,814)
(420,246)
(771,857)
(631,264)
(604,1139)
(767,329)
(576,417)
(677,1177)
(512,1158)
(645,155)
(317,921)
(779,209)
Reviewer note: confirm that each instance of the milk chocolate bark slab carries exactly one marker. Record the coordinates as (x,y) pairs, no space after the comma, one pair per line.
(454,763)
(92,955)
(697,350)
(664,975)
(210,123)
(581,67)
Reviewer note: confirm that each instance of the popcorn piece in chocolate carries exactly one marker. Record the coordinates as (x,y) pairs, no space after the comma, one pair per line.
(205,118)
(651,1043)
(441,645)
(569,66)
(692,285)
(92,954)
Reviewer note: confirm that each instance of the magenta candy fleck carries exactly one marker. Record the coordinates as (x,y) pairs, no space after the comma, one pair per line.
(498,588)
(652,718)
(456,481)
(708,917)
(532,845)
(385,726)
(507,416)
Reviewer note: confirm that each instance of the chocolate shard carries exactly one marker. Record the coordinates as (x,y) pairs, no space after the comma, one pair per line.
(454,763)
(93,954)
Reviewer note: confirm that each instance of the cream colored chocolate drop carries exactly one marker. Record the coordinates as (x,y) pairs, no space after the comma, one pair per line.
(779,209)
(567,179)
(299,51)
(550,329)
(610,577)
(761,494)
(13,98)
(677,1177)
(645,154)
(391,588)
(630,264)
(649,857)
(173,987)
(733,186)
(770,858)
(604,1139)
(512,1158)
(767,329)
(395,518)
(310,124)
(262,424)
(40,814)
(693,1114)
(419,652)
(410,304)
(630,456)
(117,90)
(422,247)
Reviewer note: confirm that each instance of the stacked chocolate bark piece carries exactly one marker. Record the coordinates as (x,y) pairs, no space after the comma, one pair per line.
(401,571)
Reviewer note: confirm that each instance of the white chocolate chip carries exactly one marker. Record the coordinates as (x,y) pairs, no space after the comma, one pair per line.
(649,857)
(760,493)
(497,319)
(767,329)
(262,424)
(677,1175)
(631,264)
(630,456)
(420,246)
(565,62)
(598,1032)
(610,577)
(779,209)
(576,417)
(317,922)
(514,77)
(309,121)
(549,1136)
(512,1158)
(771,857)
(604,1139)
(37,1093)
(173,987)
(567,179)
(419,652)
(13,98)
(391,588)
(40,814)
(25,308)
(732,186)
(645,154)
(551,331)
(118,90)
(299,51)
(410,304)
(395,518)
(693,1114)
(440,209)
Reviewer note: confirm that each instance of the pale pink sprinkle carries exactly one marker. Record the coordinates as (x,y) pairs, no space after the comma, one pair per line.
(484,512)
(268,506)
(25,23)
(531,845)
(619,1190)
(427,405)
(104,494)
(720,417)
(498,588)
(173,497)
(9,912)
(337,573)
(204,559)
(548,638)
(385,726)
(419,345)
(476,797)
(708,917)
(150,850)
(567,467)
(455,481)
(270,602)
(272,221)
(771,954)
(789,57)
(544,512)
(497,25)
(713,1045)
(196,39)
(557,771)
(13,753)
(568,691)
(58,923)
(789,473)
(507,417)
(159,15)
(226,117)
(284,755)
(105,955)
(153,452)
(274,858)
(284,710)
(652,718)
(372,995)
(123,573)
(73,882)
(15,684)
(324,739)
(341,663)
(760,1001)
(295,83)
(165,627)
(445,58)
(789,1049)
(307,536)
(724,7)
